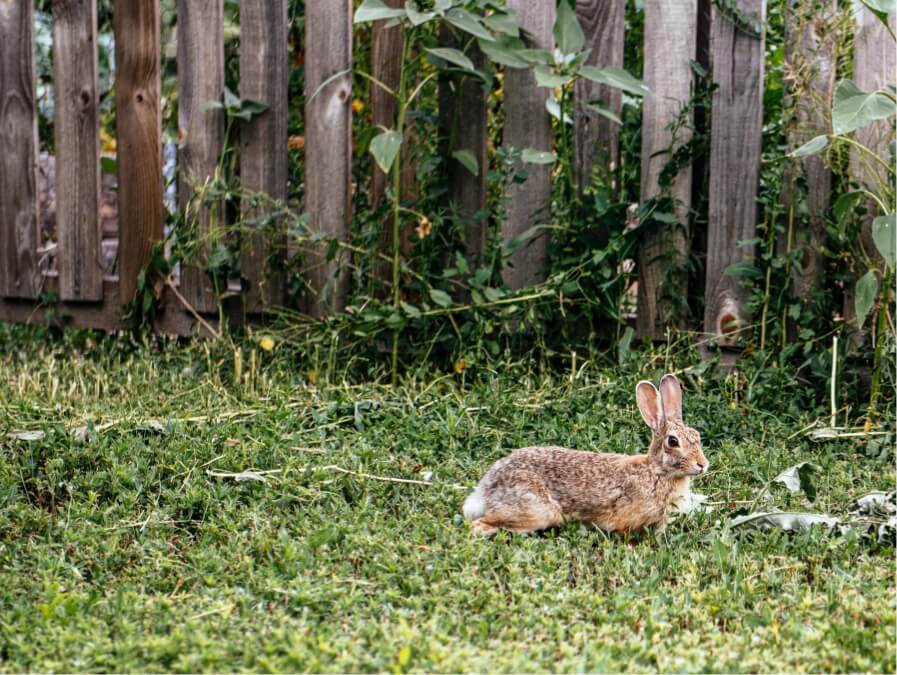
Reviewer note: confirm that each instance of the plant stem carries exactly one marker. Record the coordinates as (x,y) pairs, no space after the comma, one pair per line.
(881,329)
(396,201)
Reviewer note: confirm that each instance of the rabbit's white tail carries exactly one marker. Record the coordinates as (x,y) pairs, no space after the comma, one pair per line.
(475,504)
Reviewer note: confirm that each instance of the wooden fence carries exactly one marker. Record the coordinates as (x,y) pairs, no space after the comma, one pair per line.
(78,288)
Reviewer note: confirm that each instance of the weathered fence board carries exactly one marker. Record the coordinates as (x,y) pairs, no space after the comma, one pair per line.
(328,146)
(387,43)
(201,129)
(462,111)
(596,139)
(528,125)
(76,80)
(664,247)
(736,125)
(19,275)
(139,121)
(264,76)
(810,67)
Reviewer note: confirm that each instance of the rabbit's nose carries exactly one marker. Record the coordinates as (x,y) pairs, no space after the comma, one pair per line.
(703,466)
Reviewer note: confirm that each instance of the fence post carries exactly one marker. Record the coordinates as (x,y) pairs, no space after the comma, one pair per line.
(735,143)
(201,129)
(462,121)
(810,67)
(596,139)
(670,46)
(386,65)
(19,274)
(139,122)
(264,77)
(76,88)
(328,147)
(528,125)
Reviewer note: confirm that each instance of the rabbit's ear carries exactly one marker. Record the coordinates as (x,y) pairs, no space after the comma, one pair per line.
(671,397)
(649,404)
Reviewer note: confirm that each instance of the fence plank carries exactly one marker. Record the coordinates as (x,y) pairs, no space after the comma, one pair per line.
(462,116)
(386,63)
(264,76)
(328,146)
(19,274)
(201,129)
(736,126)
(76,87)
(596,139)
(810,67)
(139,122)
(527,125)
(662,278)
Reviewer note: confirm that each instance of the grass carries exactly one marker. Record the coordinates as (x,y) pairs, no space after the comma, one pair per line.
(119,552)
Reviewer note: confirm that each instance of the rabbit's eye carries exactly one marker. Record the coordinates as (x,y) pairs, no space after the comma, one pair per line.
(673,442)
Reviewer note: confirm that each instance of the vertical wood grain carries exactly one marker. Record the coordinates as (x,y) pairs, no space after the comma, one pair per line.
(462,117)
(596,139)
(201,128)
(663,247)
(139,122)
(735,143)
(328,147)
(810,69)
(528,125)
(264,76)
(76,86)
(19,274)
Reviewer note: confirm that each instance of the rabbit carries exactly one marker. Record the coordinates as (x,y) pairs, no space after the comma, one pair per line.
(536,488)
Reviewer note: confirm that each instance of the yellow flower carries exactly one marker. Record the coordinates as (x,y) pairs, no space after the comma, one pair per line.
(313,376)
(424,227)
(460,366)
(107,142)
(296,142)
(266,343)
(357,106)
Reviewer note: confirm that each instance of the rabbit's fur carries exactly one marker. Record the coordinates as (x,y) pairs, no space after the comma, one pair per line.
(536,488)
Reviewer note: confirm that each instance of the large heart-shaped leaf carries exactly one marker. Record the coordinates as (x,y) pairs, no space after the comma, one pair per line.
(854,108)
(615,77)
(375,10)
(469,23)
(567,32)
(884,234)
(453,56)
(864,296)
(384,147)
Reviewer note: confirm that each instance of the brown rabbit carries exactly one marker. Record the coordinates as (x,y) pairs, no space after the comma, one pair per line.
(536,488)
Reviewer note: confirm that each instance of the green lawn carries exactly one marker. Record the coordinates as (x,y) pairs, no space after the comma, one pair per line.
(119,552)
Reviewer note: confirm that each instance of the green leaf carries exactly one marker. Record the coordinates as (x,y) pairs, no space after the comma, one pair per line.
(811,147)
(884,234)
(567,32)
(503,22)
(546,77)
(854,108)
(375,10)
(742,269)
(415,16)
(536,56)
(883,6)
(469,23)
(864,296)
(799,478)
(616,78)
(384,147)
(554,109)
(410,310)
(599,108)
(453,56)
(231,100)
(441,298)
(493,294)
(533,156)
(469,160)
(109,166)
(504,52)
